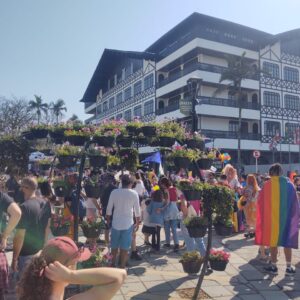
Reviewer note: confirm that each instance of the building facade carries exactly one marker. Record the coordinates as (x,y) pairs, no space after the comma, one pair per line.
(152,84)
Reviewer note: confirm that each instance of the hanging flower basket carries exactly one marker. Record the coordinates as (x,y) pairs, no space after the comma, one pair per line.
(132,130)
(218,265)
(182,162)
(76,140)
(60,231)
(67,161)
(98,161)
(191,195)
(39,133)
(205,163)
(222,230)
(105,141)
(191,267)
(92,191)
(91,233)
(197,232)
(165,141)
(45,188)
(124,141)
(195,144)
(148,130)
(61,188)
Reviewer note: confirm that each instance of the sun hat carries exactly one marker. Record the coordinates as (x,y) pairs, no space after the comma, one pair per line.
(65,249)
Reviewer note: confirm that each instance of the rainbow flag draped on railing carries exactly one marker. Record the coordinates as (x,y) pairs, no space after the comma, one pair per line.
(277,214)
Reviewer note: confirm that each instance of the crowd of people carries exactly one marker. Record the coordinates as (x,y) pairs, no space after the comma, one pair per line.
(127,201)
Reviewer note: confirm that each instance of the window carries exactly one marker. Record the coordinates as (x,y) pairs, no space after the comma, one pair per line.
(271,99)
(291,74)
(119,98)
(148,107)
(127,115)
(271,69)
(127,93)
(291,129)
(105,106)
(119,116)
(291,102)
(128,71)
(234,126)
(230,35)
(148,81)
(137,88)
(272,128)
(111,102)
(137,111)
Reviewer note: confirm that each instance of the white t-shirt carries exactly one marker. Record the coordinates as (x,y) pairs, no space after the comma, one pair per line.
(124,202)
(140,188)
(89,203)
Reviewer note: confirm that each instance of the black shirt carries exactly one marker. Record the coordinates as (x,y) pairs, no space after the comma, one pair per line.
(105,197)
(34,219)
(5,202)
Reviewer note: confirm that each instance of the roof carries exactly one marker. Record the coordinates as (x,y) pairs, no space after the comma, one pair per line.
(108,61)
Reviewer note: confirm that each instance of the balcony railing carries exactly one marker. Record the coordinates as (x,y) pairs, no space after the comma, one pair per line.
(196,66)
(230,134)
(172,107)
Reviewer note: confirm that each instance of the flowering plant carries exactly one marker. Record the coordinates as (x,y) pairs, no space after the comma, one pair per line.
(66,150)
(58,221)
(190,184)
(219,255)
(97,259)
(82,132)
(192,256)
(209,154)
(45,161)
(109,132)
(180,151)
(91,222)
(97,151)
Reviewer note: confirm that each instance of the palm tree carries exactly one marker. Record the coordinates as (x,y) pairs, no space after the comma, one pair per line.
(75,119)
(38,106)
(58,107)
(239,69)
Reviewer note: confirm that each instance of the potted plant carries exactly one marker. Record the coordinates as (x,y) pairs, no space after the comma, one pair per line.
(141,139)
(61,187)
(67,155)
(133,127)
(128,158)
(44,186)
(183,157)
(97,156)
(98,259)
(106,138)
(218,259)
(45,164)
(114,162)
(57,133)
(124,141)
(223,226)
(60,224)
(39,131)
(194,141)
(191,262)
(77,137)
(92,187)
(206,159)
(149,129)
(192,189)
(196,226)
(92,227)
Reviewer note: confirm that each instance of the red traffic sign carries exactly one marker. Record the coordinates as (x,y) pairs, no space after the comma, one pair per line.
(256,154)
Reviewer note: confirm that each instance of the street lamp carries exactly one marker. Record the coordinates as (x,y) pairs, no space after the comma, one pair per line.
(194,85)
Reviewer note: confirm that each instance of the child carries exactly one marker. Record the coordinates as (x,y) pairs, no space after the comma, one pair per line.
(156,216)
(148,228)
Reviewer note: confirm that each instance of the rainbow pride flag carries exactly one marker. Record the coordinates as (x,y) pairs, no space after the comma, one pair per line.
(277,214)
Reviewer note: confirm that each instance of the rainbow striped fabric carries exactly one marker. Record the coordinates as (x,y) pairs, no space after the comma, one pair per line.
(277,214)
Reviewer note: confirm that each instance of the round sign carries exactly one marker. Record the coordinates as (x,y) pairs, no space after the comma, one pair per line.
(256,154)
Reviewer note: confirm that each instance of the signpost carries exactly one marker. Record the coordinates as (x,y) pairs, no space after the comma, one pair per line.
(256,155)
(186,106)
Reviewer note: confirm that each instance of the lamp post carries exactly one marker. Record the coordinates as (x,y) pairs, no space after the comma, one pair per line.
(194,85)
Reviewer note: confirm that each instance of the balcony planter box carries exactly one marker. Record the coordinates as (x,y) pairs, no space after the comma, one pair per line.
(218,265)
(98,161)
(45,188)
(195,144)
(191,267)
(192,195)
(92,191)
(67,161)
(104,141)
(182,162)
(165,141)
(76,140)
(205,163)
(39,133)
(197,232)
(222,230)
(91,233)
(60,231)
(125,142)
(148,130)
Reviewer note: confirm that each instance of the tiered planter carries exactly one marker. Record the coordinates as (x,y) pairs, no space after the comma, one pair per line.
(218,265)
(57,136)
(182,162)
(195,144)
(92,191)
(132,130)
(61,191)
(205,163)
(39,133)
(44,167)
(165,141)
(76,140)
(123,141)
(67,161)
(191,195)
(105,141)
(191,267)
(197,232)
(148,131)
(98,161)
(142,140)
(45,188)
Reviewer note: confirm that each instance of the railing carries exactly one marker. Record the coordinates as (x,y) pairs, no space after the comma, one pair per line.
(230,134)
(196,66)
(174,106)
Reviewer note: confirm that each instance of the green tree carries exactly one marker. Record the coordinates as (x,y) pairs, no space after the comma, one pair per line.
(58,107)
(239,69)
(38,106)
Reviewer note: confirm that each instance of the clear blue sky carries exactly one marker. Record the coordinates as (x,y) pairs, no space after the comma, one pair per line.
(51,47)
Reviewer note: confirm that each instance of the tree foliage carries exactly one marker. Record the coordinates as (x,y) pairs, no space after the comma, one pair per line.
(38,106)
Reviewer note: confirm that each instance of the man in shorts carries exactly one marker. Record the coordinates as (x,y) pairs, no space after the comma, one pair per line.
(124,203)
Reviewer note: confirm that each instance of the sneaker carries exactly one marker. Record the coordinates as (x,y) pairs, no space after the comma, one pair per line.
(176,248)
(290,271)
(271,269)
(135,256)
(166,245)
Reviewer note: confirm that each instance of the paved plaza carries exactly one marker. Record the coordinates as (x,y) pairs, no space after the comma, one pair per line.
(160,276)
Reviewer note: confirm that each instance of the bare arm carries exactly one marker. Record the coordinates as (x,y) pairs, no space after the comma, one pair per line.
(17,246)
(47,230)
(96,204)
(106,281)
